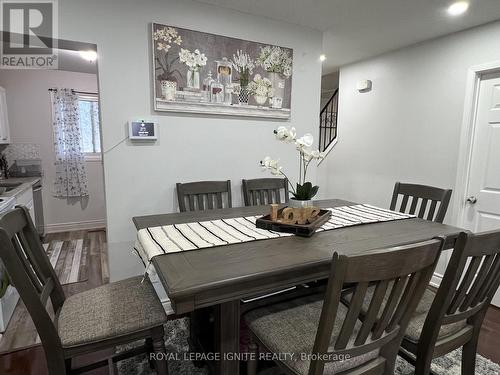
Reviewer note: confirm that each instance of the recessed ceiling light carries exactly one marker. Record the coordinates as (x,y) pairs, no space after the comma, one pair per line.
(458,8)
(322,57)
(90,55)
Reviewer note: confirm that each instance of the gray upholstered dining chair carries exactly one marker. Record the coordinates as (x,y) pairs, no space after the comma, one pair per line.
(262,191)
(204,195)
(452,317)
(329,338)
(425,194)
(110,315)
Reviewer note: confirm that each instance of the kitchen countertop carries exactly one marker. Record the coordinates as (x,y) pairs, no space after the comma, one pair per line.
(26,183)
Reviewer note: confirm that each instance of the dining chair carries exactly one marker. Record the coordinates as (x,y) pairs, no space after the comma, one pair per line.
(425,194)
(204,195)
(110,315)
(262,191)
(452,316)
(327,337)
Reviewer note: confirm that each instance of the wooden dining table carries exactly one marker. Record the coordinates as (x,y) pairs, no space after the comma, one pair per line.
(220,277)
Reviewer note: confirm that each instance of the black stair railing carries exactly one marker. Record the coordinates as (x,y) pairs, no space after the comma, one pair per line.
(328,122)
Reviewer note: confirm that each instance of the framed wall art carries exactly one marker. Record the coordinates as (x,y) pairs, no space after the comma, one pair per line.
(197,72)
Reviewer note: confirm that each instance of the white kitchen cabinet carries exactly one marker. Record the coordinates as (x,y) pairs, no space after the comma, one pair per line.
(4,118)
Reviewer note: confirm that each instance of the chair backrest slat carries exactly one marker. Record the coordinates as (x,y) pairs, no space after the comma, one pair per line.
(47,291)
(204,195)
(390,307)
(262,191)
(27,266)
(30,256)
(478,283)
(468,276)
(423,207)
(468,285)
(432,210)
(352,316)
(402,272)
(425,194)
(372,312)
(492,284)
(413,207)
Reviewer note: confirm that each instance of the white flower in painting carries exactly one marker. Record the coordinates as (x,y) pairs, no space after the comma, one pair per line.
(243,63)
(165,37)
(305,141)
(193,60)
(275,59)
(260,86)
(163,47)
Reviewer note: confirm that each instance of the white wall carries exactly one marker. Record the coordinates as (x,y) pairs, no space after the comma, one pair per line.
(408,127)
(140,180)
(29,106)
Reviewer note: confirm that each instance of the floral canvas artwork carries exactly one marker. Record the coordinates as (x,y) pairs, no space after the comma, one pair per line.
(198,72)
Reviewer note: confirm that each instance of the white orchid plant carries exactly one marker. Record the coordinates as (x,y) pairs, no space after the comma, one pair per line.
(164,39)
(303,190)
(194,60)
(261,86)
(244,65)
(275,59)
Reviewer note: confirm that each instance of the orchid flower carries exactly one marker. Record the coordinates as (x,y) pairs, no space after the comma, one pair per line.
(303,189)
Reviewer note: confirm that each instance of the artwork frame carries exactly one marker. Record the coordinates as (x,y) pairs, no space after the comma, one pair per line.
(210,74)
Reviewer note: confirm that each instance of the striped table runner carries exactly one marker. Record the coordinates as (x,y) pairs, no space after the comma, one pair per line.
(204,234)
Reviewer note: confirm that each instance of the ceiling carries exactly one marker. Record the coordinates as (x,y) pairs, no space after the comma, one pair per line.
(359,29)
(71,61)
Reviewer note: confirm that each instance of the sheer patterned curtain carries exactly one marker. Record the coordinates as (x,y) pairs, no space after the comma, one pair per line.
(71,173)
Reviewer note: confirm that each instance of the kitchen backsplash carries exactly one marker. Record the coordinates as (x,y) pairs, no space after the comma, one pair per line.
(17,151)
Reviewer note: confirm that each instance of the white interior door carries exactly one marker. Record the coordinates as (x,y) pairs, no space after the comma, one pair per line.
(482,210)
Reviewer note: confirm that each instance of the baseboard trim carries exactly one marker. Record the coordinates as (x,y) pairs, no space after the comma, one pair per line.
(82,225)
(436,280)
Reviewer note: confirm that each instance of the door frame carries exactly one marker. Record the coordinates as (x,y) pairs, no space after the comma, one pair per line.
(473,81)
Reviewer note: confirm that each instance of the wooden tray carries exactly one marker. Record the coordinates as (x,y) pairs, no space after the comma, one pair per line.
(306,230)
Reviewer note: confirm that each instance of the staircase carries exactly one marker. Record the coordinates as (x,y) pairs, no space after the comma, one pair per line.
(328,123)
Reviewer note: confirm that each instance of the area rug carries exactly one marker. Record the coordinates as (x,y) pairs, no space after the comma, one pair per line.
(69,259)
(176,334)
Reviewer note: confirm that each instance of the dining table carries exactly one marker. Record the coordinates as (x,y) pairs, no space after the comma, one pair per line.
(220,277)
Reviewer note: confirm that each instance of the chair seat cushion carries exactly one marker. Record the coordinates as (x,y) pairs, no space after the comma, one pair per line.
(109,311)
(290,327)
(418,319)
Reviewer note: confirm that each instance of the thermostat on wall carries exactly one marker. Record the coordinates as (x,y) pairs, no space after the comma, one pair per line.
(142,130)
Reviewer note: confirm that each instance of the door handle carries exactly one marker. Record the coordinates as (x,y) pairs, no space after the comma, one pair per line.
(472,199)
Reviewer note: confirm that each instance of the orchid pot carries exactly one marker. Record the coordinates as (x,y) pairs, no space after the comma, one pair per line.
(261,100)
(296,203)
(168,89)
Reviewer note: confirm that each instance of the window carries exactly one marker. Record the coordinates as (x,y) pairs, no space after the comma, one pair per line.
(89,125)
